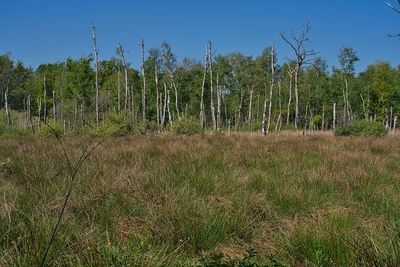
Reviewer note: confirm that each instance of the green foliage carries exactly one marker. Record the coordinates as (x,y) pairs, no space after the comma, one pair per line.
(113,125)
(362,128)
(51,130)
(188,126)
(145,127)
(13,131)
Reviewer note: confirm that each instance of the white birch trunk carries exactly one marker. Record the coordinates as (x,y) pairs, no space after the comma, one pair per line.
(219,93)
(212,109)
(144,85)
(96,55)
(202,116)
(334,116)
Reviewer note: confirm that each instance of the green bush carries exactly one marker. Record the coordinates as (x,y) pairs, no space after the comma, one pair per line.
(362,128)
(188,126)
(113,125)
(145,127)
(13,131)
(51,130)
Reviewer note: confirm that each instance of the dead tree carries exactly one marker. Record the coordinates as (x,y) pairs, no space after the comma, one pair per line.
(28,109)
(44,100)
(168,104)
(264,116)
(8,113)
(239,110)
(297,43)
(272,87)
(278,125)
(202,116)
(334,116)
(144,84)
(119,90)
(290,73)
(54,107)
(250,115)
(157,96)
(266,124)
(39,100)
(219,100)
(120,52)
(164,107)
(212,108)
(96,56)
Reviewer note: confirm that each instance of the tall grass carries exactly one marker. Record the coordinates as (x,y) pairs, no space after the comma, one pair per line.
(166,200)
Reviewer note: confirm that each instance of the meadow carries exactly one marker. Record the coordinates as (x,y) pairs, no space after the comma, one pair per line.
(203,200)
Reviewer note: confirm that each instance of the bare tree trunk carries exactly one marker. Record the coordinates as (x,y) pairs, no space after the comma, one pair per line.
(279,120)
(202,116)
(168,104)
(239,110)
(323,118)
(76,112)
(165,106)
(120,51)
(96,55)
(296,92)
(265,109)
(133,115)
(364,108)
(334,116)
(211,88)
(144,85)
(157,96)
(176,98)
(250,115)
(119,91)
(28,108)
(219,93)
(54,107)
(348,107)
(44,100)
(39,111)
(8,113)
(290,98)
(61,109)
(271,88)
(258,108)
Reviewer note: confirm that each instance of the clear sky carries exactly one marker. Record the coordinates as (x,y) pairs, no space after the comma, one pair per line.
(44,31)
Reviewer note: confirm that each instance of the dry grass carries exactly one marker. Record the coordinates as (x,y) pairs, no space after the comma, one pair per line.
(172,200)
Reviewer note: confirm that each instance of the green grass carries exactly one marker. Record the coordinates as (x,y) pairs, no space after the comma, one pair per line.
(164,200)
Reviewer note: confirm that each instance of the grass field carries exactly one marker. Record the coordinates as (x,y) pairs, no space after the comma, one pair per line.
(187,200)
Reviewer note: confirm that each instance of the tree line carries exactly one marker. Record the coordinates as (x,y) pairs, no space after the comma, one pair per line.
(255,93)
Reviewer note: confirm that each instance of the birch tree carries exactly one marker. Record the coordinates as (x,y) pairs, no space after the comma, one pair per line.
(97,84)
(144,84)
(212,108)
(202,116)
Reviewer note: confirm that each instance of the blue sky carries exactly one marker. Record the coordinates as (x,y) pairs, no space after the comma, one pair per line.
(45,31)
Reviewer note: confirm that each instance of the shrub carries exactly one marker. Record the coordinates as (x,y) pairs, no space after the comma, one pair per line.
(113,125)
(362,128)
(188,126)
(51,130)
(145,127)
(12,131)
